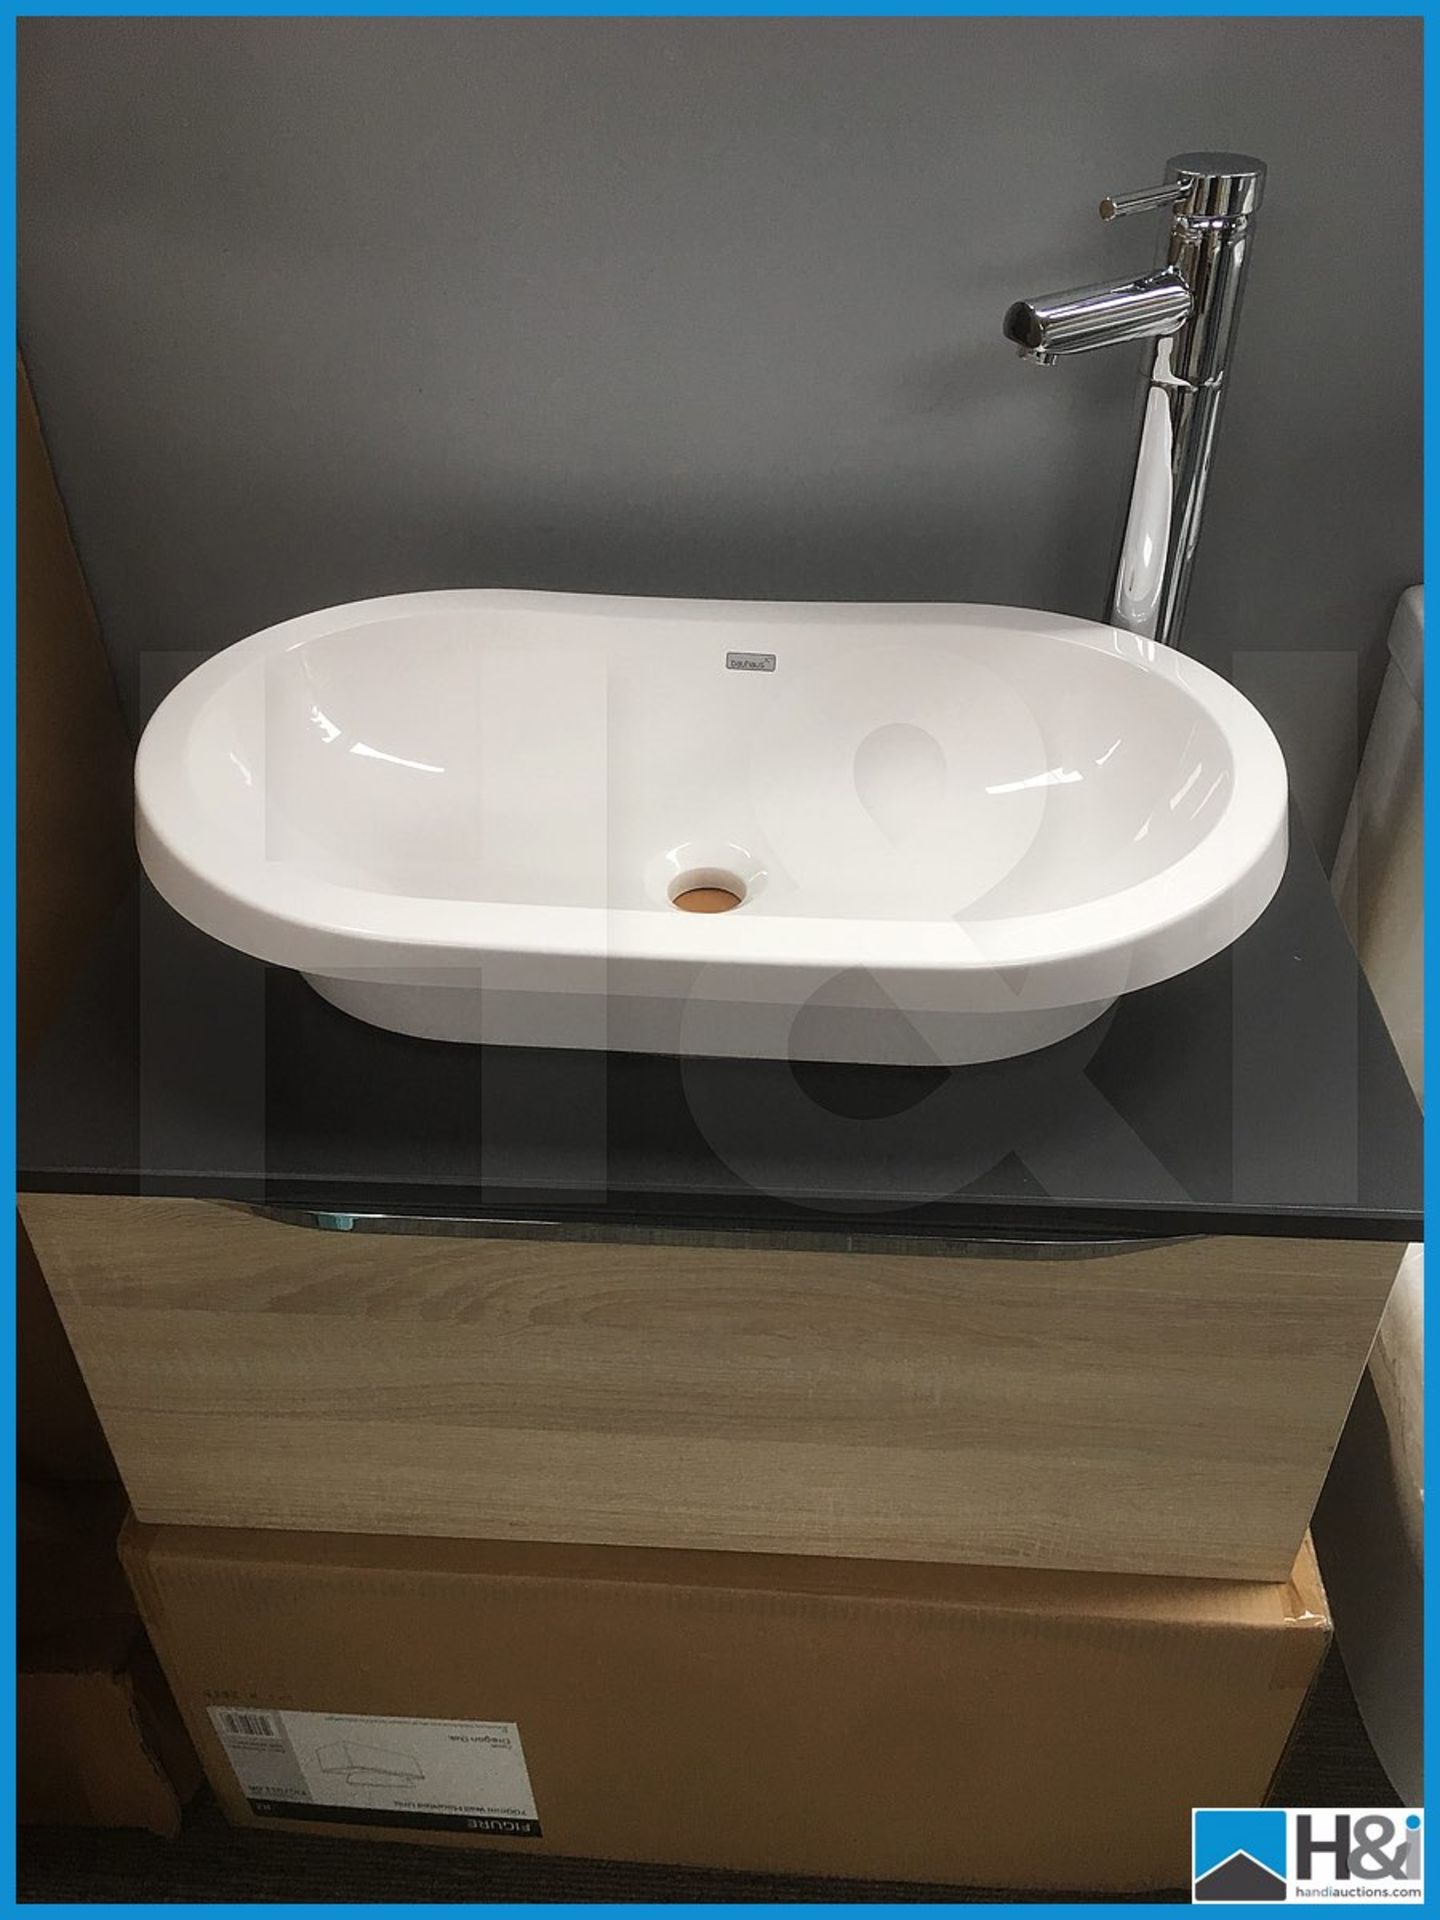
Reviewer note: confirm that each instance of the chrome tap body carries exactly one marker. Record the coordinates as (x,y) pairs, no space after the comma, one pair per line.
(1187,309)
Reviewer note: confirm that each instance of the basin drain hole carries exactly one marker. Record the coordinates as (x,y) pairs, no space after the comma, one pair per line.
(707,890)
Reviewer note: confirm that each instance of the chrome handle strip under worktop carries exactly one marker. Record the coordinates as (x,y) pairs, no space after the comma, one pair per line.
(760,1240)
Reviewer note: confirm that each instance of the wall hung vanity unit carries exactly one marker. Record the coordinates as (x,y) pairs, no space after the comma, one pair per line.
(1166,1406)
(1007,1163)
(1101,1306)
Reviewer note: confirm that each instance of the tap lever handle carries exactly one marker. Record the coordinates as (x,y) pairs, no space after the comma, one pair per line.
(1115,206)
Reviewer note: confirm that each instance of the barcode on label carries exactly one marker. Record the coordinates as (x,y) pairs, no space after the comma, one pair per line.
(259,1725)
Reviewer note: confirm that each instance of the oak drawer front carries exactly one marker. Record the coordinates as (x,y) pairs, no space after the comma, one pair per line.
(1166,1409)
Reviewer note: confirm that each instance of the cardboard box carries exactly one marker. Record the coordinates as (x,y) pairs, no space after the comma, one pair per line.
(790,1714)
(98,1739)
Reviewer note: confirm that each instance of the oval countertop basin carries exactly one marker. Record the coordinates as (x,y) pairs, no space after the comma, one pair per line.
(919,834)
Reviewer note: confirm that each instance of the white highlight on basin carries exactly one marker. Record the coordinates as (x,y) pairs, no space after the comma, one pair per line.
(959,832)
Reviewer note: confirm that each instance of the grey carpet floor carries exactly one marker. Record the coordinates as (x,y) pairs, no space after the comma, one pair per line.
(1330,1763)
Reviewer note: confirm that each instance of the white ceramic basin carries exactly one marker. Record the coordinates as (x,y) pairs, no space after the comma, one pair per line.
(958,833)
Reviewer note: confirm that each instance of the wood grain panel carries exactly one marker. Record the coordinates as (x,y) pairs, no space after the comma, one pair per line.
(1168,1410)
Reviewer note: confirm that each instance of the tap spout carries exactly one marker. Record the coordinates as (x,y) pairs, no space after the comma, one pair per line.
(1084,318)
(1187,310)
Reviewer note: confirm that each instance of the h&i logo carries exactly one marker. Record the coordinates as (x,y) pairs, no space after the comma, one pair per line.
(1247,1854)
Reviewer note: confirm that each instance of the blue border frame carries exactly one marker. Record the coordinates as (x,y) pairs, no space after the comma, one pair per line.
(7,976)
(803,9)
(798,8)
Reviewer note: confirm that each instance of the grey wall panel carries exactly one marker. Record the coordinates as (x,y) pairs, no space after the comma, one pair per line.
(318,309)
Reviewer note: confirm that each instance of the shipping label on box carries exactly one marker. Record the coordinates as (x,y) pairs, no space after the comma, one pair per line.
(464,1776)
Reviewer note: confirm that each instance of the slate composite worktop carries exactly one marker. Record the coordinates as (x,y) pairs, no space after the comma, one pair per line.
(1259,1093)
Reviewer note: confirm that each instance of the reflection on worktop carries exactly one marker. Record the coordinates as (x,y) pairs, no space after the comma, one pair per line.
(1258,1093)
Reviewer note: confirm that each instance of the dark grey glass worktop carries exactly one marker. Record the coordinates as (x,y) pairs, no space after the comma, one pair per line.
(1259,1093)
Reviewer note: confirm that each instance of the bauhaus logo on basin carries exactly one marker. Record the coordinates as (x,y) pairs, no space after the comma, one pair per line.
(1242,1855)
